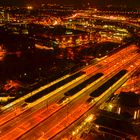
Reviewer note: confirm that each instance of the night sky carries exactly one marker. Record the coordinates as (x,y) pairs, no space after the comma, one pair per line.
(130,3)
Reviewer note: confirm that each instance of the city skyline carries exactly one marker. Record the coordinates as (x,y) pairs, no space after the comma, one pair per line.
(69,69)
(101,3)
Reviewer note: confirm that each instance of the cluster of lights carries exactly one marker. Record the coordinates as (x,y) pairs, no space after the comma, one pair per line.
(114,28)
(29,7)
(78,129)
(2,53)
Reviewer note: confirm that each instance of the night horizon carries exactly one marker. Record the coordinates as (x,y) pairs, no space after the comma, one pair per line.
(69,70)
(99,3)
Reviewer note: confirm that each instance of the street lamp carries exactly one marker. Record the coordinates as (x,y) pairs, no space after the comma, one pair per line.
(29,7)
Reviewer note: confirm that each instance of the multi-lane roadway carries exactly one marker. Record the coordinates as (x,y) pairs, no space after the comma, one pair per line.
(53,108)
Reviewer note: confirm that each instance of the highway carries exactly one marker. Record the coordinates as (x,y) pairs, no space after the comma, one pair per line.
(132,85)
(18,110)
(80,109)
(37,116)
(78,127)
